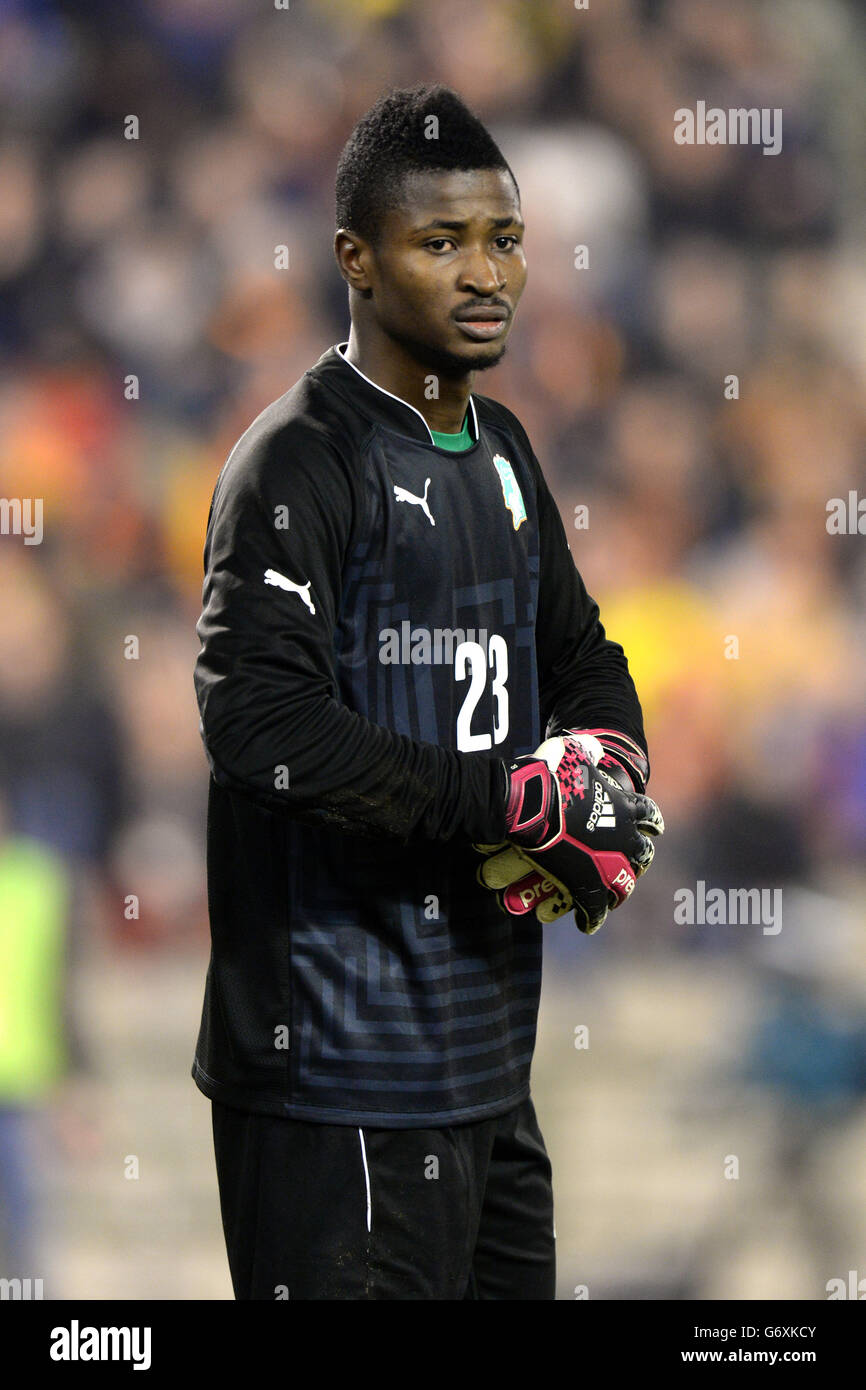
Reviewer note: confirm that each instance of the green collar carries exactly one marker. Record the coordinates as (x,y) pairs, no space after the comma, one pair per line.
(457,443)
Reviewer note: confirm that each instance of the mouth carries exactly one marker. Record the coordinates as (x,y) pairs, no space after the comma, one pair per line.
(482,324)
(480,330)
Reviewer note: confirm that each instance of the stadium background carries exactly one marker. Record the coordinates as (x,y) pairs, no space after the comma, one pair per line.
(713,1049)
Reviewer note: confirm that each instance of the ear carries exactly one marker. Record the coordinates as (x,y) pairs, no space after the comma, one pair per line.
(354,256)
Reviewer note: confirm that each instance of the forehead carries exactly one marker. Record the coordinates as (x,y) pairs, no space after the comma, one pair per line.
(471,194)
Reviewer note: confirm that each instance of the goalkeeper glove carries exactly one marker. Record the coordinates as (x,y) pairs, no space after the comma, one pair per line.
(578,824)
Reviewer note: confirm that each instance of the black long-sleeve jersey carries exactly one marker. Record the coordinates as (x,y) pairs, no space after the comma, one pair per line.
(384,622)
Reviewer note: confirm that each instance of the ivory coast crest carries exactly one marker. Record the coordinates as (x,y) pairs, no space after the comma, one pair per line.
(510,490)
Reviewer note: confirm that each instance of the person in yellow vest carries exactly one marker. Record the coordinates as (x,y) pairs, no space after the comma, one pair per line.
(35,895)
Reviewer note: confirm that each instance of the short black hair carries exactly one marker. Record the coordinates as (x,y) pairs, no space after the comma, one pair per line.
(393,139)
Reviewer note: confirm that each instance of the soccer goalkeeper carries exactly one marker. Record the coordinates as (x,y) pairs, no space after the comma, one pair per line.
(422,748)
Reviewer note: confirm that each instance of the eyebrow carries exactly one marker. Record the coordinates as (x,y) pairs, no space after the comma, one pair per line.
(460,224)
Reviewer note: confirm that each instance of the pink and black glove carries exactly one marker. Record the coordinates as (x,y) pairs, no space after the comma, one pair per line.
(578,825)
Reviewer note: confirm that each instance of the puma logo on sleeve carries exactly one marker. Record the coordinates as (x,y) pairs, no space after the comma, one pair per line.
(281,582)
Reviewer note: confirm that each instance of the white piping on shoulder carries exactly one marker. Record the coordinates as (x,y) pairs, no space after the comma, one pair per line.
(367,1181)
(341,346)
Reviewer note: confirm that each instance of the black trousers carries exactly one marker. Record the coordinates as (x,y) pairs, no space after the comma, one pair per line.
(322,1211)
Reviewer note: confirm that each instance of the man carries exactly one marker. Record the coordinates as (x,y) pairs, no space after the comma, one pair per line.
(392,621)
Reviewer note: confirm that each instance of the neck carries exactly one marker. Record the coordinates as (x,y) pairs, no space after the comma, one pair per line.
(390,366)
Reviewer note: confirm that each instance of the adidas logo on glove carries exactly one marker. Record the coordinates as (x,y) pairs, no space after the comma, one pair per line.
(559,856)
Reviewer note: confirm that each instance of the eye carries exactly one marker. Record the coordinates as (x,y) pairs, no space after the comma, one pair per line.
(436,244)
(512,242)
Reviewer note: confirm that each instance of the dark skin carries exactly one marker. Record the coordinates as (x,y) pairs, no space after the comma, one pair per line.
(454,242)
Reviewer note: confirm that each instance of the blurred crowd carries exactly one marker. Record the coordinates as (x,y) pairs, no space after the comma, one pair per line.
(692,385)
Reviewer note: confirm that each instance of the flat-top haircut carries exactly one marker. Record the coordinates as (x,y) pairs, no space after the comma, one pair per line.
(396,138)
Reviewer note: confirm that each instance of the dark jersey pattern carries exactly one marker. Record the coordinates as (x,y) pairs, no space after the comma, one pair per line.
(355,717)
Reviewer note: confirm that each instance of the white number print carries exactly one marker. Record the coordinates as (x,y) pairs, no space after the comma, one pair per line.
(471,659)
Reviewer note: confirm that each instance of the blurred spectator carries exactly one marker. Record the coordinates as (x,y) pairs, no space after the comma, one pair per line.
(34,910)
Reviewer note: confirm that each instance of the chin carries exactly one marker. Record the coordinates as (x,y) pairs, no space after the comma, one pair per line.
(459,363)
(477,357)
(489,358)
(474,358)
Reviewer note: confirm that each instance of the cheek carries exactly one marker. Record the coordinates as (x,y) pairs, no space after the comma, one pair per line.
(418,293)
(423,286)
(517,275)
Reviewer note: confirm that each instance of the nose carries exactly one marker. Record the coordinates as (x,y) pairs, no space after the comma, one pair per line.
(481,275)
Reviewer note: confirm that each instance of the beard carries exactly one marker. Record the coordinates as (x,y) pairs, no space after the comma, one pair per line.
(444,362)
